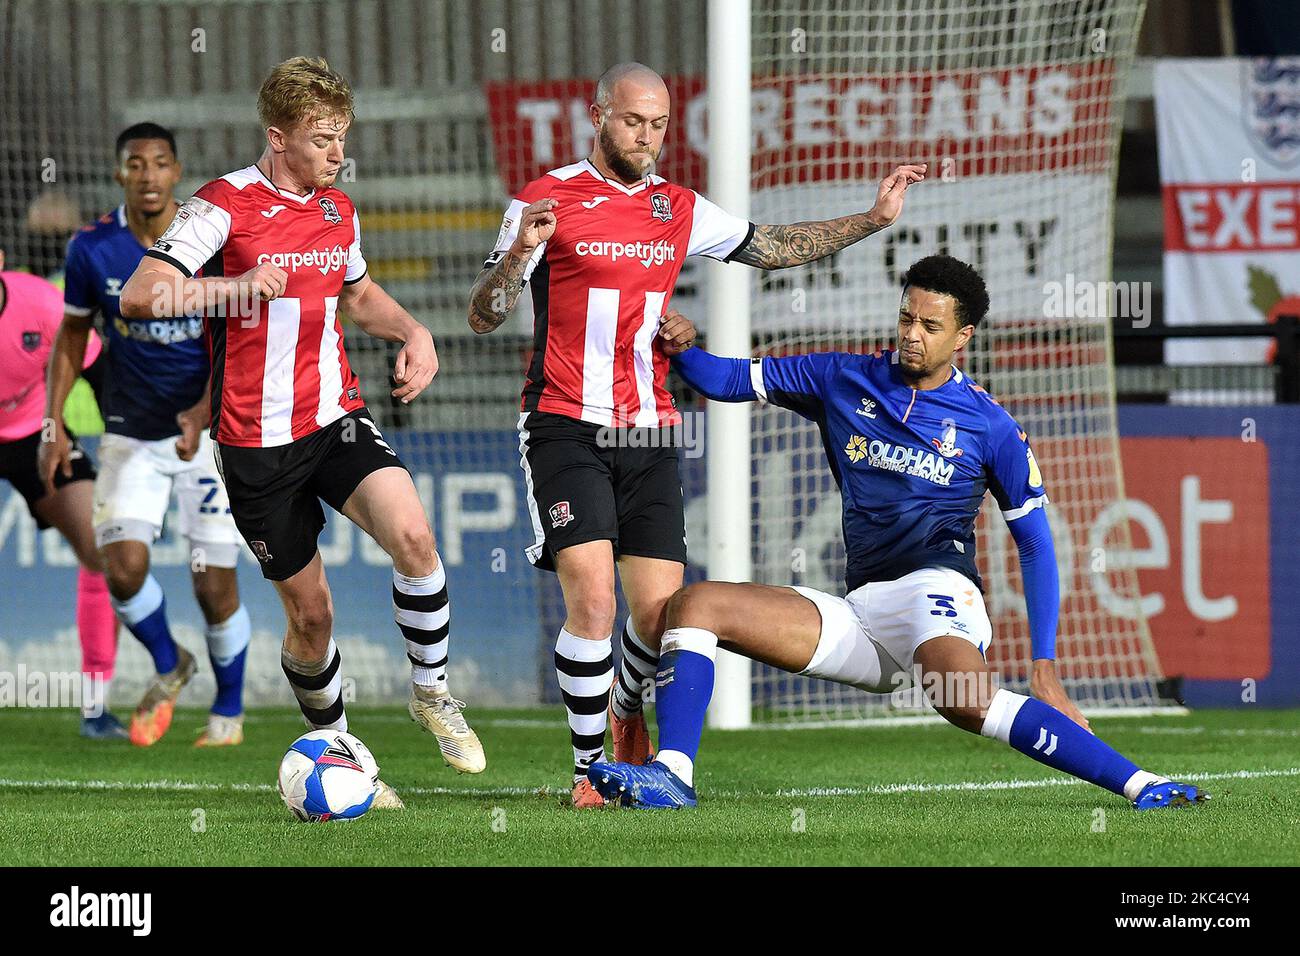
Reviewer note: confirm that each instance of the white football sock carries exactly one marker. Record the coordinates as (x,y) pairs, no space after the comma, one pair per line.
(678,763)
(1139,781)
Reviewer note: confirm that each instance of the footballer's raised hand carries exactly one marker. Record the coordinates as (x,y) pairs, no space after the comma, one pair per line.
(889,197)
(416,366)
(536,225)
(676,333)
(265,281)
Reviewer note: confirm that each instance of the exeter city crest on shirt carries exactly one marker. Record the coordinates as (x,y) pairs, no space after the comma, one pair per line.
(660,207)
(331,211)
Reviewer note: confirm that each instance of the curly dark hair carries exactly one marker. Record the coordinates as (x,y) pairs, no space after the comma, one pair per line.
(945,275)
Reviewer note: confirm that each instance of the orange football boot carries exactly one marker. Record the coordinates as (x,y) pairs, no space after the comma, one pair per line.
(585,796)
(631,737)
(153,715)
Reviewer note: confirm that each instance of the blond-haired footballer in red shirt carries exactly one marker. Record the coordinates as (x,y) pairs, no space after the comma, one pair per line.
(283,249)
(601,242)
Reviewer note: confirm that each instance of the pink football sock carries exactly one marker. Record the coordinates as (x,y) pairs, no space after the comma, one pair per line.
(97,626)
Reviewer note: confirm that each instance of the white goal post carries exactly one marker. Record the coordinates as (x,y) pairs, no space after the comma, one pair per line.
(1017,107)
(727,429)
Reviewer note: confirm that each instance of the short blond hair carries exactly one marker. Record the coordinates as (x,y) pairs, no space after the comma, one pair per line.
(300,91)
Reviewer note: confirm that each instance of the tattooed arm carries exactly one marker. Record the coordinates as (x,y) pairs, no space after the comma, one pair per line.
(776,247)
(496,290)
(498,286)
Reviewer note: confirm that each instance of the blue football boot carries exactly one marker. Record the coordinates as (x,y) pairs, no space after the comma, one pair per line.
(104,727)
(650,786)
(1171,793)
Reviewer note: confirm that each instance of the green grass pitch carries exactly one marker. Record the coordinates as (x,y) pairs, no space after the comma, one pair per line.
(909,796)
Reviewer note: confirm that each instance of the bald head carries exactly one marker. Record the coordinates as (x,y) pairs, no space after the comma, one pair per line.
(630,117)
(637,80)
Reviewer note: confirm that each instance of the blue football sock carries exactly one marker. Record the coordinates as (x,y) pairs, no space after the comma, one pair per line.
(683,687)
(227,649)
(1045,734)
(145,616)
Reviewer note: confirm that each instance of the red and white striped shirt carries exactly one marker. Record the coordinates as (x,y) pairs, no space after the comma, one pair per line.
(600,285)
(279,373)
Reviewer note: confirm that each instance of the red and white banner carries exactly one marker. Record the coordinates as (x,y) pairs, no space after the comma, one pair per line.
(812,128)
(1017,186)
(1229,147)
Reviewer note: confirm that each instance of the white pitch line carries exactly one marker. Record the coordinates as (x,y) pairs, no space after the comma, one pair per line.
(879,790)
(887,789)
(360,720)
(931,719)
(1220,731)
(188,786)
(899,720)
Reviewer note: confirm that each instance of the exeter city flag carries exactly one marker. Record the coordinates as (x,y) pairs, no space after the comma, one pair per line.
(1229,141)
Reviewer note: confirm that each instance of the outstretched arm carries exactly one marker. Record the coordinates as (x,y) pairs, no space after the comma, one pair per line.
(721,379)
(776,247)
(1033,537)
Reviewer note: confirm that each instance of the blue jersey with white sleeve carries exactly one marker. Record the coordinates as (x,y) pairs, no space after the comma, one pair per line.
(912,465)
(156,367)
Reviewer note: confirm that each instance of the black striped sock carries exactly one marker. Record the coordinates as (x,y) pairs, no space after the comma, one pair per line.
(585,670)
(421,611)
(639,666)
(318,685)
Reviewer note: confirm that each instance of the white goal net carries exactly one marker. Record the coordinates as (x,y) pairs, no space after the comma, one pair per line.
(1017,107)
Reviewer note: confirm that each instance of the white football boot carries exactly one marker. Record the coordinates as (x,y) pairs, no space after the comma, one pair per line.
(440,714)
(386,798)
(222,731)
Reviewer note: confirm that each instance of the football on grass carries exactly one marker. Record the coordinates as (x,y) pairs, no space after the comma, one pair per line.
(328,775)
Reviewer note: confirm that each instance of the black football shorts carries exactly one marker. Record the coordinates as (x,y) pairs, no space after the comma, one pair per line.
(588,483)
(18,467)
(275,493)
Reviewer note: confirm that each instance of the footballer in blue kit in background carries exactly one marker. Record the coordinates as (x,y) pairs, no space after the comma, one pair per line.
(159,367)
(913,443)
(156,411)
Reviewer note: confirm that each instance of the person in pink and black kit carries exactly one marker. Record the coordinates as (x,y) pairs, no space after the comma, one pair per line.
(30,312)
